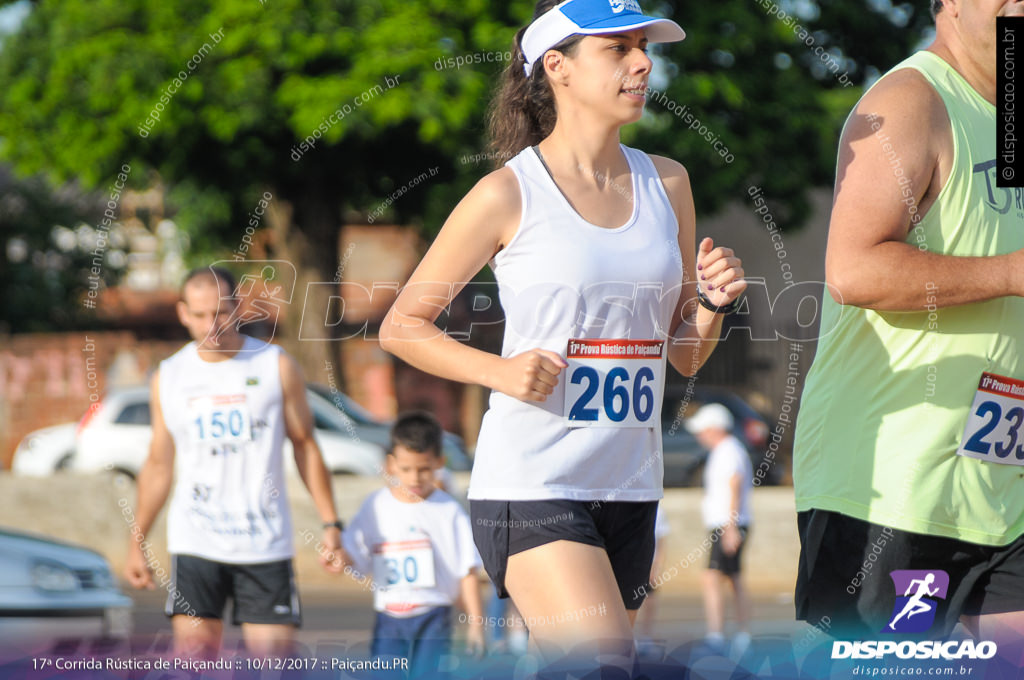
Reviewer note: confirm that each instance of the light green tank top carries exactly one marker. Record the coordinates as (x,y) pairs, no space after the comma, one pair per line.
(886,401)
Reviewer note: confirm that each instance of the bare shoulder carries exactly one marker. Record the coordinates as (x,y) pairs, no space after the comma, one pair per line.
(673,173)
(497,185)
(289,367)
(676,181)
(161,435)
(490,212)
(497,193)
(902,103)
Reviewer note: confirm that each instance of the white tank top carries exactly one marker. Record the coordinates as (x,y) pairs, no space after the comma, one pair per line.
(227,421)
(563,278)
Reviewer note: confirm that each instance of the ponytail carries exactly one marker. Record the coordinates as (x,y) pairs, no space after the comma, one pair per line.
(523,111)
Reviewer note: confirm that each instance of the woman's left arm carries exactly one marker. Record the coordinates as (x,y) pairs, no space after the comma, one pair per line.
(695,329)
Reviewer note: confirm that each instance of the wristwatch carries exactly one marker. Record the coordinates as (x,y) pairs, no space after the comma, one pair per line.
(338,524)
(706,303)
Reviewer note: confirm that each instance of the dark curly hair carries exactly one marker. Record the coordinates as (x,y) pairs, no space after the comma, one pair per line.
(522,112)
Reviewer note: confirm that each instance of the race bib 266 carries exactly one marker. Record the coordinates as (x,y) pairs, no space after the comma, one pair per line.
(614,383)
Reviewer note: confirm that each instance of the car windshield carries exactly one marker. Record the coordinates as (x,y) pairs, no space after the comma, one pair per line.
(344,403)
(134,414)
(326,416)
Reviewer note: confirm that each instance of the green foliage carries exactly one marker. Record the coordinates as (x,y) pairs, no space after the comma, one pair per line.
(47,245)
(748,77)
(80,78)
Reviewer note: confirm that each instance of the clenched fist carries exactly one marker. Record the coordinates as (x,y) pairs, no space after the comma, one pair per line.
(530,376)
(719,273)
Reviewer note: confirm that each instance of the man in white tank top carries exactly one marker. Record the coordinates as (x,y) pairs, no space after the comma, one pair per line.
(221,408)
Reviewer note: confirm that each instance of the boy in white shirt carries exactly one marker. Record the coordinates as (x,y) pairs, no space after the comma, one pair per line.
(417,542)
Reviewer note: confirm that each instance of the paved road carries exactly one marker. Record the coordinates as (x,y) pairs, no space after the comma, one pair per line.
(339,615)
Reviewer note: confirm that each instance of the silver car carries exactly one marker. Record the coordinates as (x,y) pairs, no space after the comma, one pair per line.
(53,592)
(116,435)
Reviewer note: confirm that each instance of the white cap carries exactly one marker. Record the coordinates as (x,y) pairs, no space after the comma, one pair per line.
(709,416)
(592,17)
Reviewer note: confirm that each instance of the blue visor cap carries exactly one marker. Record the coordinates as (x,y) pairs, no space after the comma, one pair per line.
(592,17)
(607,16)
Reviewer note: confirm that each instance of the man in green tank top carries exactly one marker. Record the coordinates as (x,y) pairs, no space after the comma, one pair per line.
(909,450)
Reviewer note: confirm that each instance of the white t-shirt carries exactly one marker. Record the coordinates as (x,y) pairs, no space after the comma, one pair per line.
(416,553)
(725,460)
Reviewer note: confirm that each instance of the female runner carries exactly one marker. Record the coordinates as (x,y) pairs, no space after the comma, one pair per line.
(593,247)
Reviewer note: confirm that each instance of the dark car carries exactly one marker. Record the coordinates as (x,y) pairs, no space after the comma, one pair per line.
(684,456)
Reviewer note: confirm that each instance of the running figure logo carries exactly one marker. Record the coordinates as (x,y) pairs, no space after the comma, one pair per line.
(914,611)
(260,297)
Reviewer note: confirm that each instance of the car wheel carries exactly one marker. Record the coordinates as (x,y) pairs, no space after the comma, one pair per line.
(64,463)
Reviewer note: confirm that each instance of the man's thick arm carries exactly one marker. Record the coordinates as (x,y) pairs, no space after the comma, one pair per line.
(894,156)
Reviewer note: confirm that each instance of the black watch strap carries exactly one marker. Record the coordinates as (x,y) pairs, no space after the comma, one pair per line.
(706,303)
(338,524)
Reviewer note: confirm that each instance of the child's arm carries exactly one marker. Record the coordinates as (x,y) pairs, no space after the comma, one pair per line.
(470,588)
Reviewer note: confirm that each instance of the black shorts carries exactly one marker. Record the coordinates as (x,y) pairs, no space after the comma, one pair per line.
(844,574)
(718,560)
(261,593)
(625,530)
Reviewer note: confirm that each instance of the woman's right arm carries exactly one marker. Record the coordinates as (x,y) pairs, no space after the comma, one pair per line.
(481,224)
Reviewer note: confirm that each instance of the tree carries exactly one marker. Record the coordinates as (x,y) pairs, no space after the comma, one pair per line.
(49,249)
(750,77)
(218,99)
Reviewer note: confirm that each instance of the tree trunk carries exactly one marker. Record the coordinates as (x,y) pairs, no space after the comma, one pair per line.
(313,251)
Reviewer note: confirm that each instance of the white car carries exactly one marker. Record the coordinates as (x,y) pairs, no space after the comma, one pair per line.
(116,437)
(52,593)
(45,451)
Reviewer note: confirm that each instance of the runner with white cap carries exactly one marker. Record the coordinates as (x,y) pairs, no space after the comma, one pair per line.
(728,477)
(593,247)
(595,17)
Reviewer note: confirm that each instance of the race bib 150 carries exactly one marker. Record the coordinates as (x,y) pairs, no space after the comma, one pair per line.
(219,418)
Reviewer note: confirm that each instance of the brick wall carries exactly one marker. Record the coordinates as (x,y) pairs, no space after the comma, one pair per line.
(52,378)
